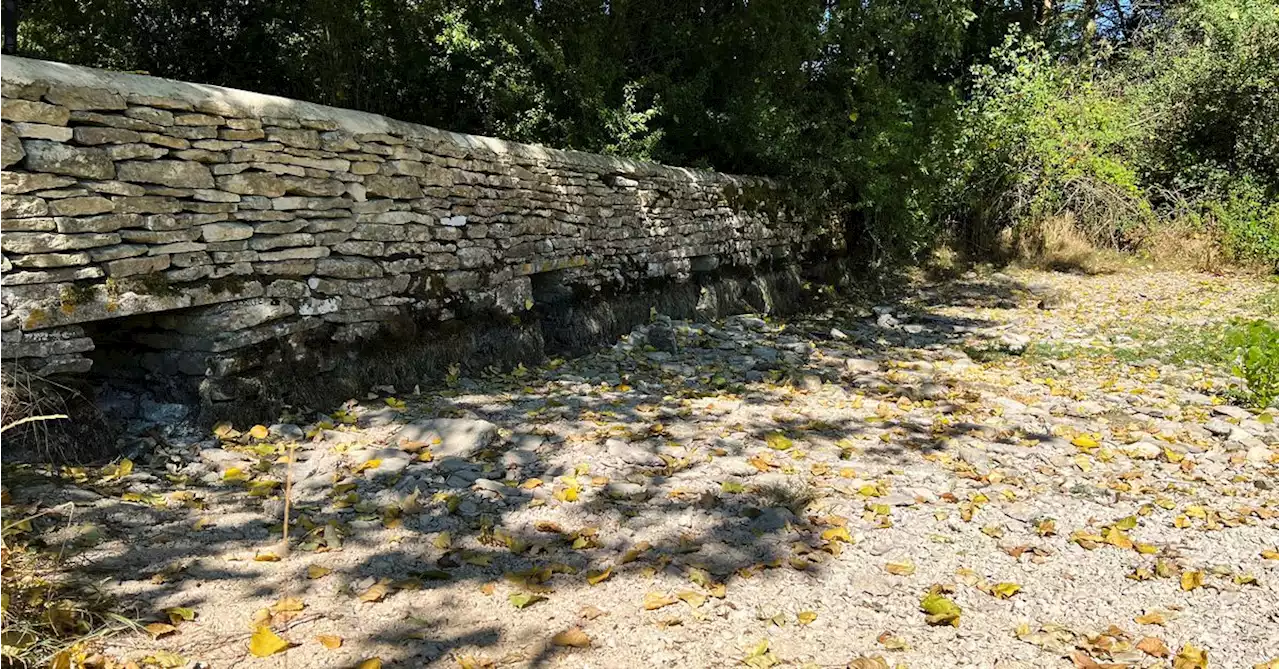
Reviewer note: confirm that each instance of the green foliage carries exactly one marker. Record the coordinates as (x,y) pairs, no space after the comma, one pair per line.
(1256,350)
(1246,219)
(1175,129)
(1042,139)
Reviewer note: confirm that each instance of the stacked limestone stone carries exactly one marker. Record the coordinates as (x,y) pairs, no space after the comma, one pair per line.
(238,218)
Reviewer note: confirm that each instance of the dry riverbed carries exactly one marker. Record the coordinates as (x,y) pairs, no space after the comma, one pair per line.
(1009,470)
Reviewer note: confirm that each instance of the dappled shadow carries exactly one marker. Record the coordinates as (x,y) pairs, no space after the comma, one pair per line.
(688,469)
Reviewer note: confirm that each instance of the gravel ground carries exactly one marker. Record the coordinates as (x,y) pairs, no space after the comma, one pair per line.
(1027,447)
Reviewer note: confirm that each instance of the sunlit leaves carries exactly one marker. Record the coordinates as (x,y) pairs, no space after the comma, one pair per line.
(778,441)
(1191,657)
(265,643)
(573,637)
(905,568)
(522,600)
(939,610)
(376,592)
(657,600)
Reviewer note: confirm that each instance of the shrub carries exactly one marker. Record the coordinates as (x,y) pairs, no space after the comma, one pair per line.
(1044,139)
(1256,346)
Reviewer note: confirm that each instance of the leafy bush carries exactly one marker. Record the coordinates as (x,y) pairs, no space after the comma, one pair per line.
(1246,221)
(1256,346)
(1044,139)
(1175,133)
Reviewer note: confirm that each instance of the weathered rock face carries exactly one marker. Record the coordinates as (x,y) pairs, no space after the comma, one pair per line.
(221,232)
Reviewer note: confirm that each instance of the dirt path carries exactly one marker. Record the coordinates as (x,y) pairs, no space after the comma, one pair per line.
(1069,477)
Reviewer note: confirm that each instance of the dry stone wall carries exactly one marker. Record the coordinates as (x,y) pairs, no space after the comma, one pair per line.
(197,222)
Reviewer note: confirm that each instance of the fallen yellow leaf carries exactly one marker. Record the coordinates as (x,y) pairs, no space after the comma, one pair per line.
(258,432)
(376,592)
(157,630)
(287,604)
(1151,618)
(837,534)
(939,610)
(1005,590)
(905,568)
(1085,442)
(693,599)
(1191,657)
(1192,580)
(330,641)
(316,571)
(1153,647)
(573,637)
(657,600)
(806,617)
(265,643)
(522,599)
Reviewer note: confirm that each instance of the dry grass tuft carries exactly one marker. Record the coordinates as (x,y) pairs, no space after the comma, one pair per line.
(25,399)
(51,617)
(1060,245)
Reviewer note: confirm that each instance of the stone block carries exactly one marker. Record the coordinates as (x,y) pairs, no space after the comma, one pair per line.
(173,173)
(42,242)
(118,252)
(164,140)
(309,203)
(358,248)
(348,268)
(8,224)
(314,187)
(285,268)
(210,195)
(159,236)
(253,183)
(150,115)
(198,120)
(81,206)
(225,232)
(57,158)
(23,206)
(200,156)
(158,102)
(62,275)
(240,135)
(225,317)
(303,139)
(103,223)
(30,111)
(11,149)
(139,265)
(135,151)
(92,135)
(399,188)
(305,253)
(147,204)
(176,247)
(113,187)
(83,98)
(25,182)
(379,232)
(50,260)
(53,133)
(286,288)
